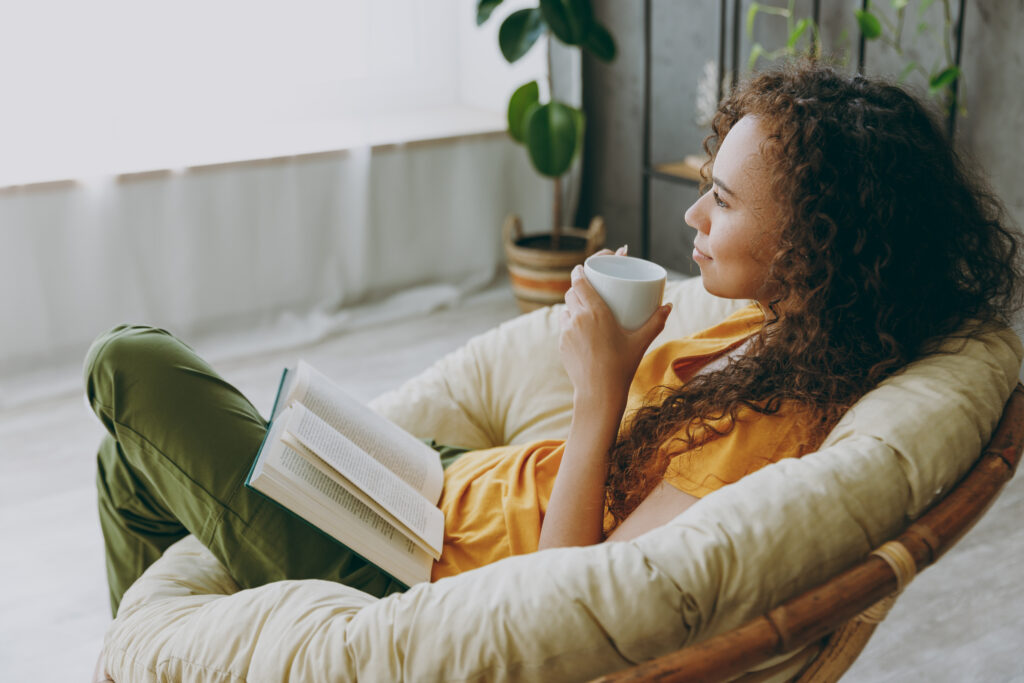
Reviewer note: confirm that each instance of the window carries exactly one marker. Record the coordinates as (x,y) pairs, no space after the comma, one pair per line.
(114,86)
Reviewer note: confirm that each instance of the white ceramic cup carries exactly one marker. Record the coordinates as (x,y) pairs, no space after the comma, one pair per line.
(632,287)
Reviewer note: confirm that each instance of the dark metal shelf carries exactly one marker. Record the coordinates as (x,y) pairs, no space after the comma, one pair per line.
(686,171)
(666,172)
(678,172)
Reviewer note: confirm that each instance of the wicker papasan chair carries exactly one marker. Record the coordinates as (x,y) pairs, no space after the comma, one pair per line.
(726,590)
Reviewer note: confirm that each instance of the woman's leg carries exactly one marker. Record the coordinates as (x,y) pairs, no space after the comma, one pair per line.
(180,444)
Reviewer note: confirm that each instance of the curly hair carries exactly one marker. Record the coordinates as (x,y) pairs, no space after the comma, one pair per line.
(888,243)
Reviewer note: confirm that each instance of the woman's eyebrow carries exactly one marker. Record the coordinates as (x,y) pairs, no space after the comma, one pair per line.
(718,181)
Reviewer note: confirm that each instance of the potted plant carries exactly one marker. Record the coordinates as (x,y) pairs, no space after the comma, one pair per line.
(552,132)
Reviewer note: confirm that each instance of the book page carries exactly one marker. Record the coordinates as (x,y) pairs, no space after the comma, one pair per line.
(416,463)
(287,477)
(371,482)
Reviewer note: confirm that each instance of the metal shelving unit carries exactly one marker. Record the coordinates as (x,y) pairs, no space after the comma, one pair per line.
(687,171)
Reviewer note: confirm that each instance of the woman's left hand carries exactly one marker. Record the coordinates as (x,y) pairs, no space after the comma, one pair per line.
(598,354)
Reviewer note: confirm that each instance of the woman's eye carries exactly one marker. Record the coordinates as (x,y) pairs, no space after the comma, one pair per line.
(718,200)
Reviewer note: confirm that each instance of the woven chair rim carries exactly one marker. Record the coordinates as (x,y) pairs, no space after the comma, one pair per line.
(821,611)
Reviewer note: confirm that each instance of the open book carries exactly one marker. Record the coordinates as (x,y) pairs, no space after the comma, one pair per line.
(353,474)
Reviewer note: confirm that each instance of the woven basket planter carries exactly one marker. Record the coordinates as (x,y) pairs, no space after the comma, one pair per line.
(541,276)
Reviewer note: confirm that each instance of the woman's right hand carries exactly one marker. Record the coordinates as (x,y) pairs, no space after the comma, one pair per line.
(599,356)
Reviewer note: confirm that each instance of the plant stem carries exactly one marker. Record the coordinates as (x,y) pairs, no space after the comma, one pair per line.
(899,26)
(556,226)
(556,230)
(947,14)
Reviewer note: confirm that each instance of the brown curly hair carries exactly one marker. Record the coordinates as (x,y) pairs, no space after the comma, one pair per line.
(888,243)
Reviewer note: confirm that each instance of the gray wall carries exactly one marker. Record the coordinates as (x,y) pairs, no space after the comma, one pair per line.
(685,36)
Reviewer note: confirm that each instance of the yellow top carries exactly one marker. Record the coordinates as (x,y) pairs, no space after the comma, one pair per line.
(494,500)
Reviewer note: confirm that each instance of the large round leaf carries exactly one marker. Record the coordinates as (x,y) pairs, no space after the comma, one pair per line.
(519,32)
(600,42)
(568,19)
(581,126)
(484,9)
(551,138)
(519,104)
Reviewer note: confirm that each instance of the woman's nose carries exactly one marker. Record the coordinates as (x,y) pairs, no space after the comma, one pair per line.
(695,217)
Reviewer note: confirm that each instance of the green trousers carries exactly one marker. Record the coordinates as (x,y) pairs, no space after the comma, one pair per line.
(180,443)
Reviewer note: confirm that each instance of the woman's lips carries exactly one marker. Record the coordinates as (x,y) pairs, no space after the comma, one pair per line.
(699,255)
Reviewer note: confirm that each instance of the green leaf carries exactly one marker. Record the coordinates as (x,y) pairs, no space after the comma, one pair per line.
(581,127)
(756,50)
(798,31)
(484,9)
(525,97)
(751,15)
(943,79)
(551,138)
(906,71)
(600,42)
(897,5)
(568,19)
(519,32)
(869,24)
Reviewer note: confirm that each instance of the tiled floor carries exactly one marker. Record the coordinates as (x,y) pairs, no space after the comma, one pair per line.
(962,620)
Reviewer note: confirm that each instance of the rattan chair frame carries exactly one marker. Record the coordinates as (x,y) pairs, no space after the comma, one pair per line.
(841,613)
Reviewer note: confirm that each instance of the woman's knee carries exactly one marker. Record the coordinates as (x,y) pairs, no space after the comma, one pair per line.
(125,349)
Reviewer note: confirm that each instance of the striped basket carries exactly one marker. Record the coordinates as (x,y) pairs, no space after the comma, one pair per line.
(540,276)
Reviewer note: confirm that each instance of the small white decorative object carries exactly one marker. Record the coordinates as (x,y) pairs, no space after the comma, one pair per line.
(707,92)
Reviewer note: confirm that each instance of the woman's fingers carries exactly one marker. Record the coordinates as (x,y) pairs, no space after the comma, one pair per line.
(654,325)
(572,299)
(582,288)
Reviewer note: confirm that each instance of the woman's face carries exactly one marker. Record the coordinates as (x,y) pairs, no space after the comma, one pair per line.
(737,221)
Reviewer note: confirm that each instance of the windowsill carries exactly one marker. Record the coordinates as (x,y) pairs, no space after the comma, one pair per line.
(238,142)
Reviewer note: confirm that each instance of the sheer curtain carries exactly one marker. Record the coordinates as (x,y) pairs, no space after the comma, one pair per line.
(286,246)
(112,86)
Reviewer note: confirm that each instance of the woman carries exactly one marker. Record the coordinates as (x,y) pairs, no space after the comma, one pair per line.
(836,205)
(839,206)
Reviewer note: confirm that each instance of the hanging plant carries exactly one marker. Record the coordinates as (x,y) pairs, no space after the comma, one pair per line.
(942,77)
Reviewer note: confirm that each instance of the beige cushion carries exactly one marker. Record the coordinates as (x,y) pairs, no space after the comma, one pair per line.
(507,386)
(571,614)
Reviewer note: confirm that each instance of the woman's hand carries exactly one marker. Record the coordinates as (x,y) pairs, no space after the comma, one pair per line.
(599,356)
(601,359)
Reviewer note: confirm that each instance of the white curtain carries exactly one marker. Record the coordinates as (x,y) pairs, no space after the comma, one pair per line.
(244,257)
(251,256)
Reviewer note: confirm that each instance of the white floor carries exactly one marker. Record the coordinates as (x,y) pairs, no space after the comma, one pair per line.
(962,620)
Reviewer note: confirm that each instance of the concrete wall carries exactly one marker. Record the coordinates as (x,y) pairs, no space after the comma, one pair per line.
(685,36)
